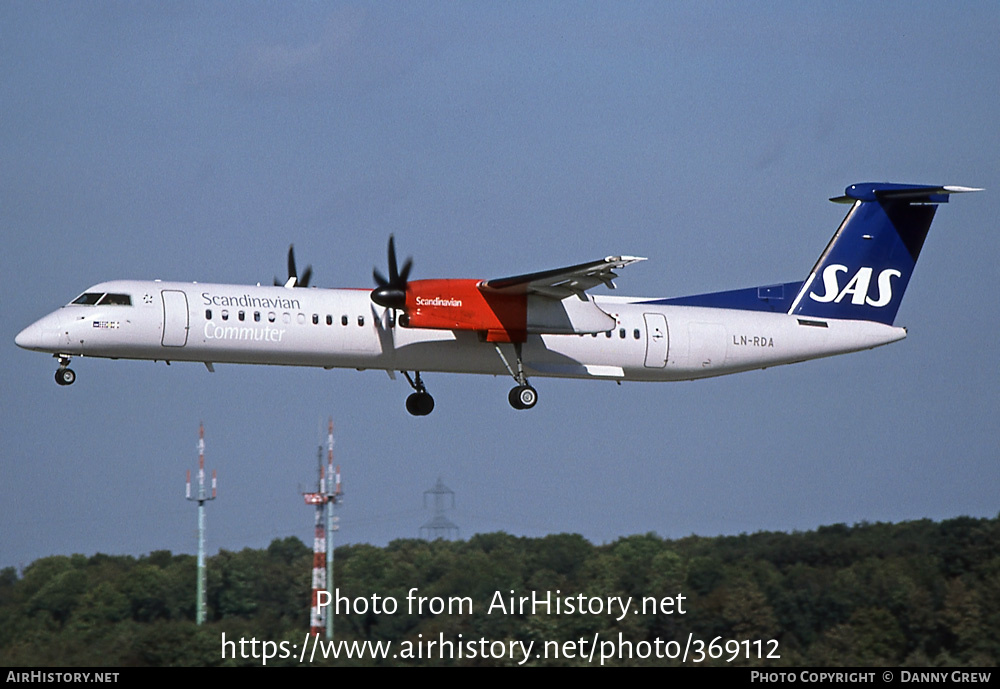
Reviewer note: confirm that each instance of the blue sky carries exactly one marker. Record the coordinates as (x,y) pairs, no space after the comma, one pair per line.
(196,141)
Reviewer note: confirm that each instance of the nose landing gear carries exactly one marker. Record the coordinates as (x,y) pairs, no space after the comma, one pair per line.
(64,374)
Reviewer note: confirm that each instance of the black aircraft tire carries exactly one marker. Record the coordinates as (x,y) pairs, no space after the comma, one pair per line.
(522,397)
(420,404)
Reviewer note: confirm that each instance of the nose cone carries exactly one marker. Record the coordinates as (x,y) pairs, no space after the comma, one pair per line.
(41,335)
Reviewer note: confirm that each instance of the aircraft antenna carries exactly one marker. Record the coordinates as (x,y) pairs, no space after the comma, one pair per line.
(439,526)
(326,497)
(201,499)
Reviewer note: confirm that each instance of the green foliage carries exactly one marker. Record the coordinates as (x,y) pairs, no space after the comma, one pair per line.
(918,593)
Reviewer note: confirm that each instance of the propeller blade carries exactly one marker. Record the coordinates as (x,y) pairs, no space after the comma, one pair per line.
(293,279)
(393,272)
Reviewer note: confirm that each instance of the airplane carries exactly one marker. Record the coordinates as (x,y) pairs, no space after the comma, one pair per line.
(535,325)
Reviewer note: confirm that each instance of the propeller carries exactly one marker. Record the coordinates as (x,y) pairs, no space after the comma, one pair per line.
(391,293)
(298,282)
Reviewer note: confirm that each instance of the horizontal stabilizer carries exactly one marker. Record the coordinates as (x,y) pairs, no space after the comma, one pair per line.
(917,193)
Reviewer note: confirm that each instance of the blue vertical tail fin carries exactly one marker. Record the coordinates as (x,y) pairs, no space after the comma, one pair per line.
(864,270)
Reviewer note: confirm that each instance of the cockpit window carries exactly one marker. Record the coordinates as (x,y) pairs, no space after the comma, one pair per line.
(88,298)
(116,300)
(92,298)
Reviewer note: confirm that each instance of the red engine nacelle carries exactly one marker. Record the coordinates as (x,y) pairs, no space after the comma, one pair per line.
(460,305)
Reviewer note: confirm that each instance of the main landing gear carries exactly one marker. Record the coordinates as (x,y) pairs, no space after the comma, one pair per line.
(420,403)
(64,374)
(522,396)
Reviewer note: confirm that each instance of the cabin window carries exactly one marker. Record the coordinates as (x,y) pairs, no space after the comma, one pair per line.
(361,320)
(88,298)
(329,319)
(286,318)
(243,315)
(635,333)
(300,318)
(343,320)
(271,317)
(208,314)
(621,333)
(225,314)
(315,319)
(256,316)
(608,334)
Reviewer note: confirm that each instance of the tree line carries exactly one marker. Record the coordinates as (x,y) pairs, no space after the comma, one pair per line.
(919,593)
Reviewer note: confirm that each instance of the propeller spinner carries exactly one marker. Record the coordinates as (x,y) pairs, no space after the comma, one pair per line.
(293,278)
(391,293)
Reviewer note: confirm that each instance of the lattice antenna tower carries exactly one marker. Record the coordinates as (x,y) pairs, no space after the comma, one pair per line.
(440,526)
(201,499)
(327,496)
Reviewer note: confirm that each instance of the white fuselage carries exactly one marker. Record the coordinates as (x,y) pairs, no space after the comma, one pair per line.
(342,328)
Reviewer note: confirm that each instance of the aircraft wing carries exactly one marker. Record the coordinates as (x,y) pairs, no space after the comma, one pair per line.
(560,283)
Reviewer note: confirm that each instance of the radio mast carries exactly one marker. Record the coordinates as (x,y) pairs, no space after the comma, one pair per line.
(201,499)
(324,499)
